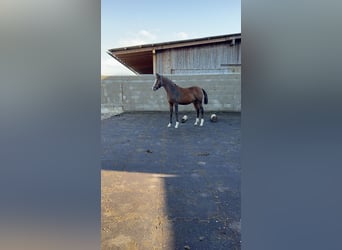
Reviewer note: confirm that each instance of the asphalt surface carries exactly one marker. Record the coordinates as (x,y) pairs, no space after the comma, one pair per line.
(167,188)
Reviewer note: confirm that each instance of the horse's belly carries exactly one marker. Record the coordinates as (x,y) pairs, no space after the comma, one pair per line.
(184,103)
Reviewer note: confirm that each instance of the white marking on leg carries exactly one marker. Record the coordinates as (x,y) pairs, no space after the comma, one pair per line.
(177,123)
(202,121)
(196,122)
(169,125)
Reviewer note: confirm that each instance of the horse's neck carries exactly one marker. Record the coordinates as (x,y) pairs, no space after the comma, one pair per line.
(169,86)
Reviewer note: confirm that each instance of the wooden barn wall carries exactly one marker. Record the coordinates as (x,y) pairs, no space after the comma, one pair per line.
(206,59)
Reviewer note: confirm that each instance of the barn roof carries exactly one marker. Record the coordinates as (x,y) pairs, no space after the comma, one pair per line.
(139,58)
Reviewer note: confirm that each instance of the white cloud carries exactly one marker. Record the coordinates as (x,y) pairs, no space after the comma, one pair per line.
(141,37)
(131,42)
(148,35)
(182,35)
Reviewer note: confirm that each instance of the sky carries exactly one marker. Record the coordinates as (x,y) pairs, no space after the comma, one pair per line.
(126,23)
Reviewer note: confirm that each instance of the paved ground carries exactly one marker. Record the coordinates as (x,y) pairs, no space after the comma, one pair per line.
(167,188)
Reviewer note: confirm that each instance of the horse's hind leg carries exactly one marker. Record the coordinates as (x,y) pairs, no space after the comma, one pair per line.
(197,107)
(202,115)
(171,111)
(176,111)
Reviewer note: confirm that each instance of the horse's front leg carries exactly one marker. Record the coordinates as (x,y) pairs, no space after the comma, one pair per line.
(171,111)
(176,110)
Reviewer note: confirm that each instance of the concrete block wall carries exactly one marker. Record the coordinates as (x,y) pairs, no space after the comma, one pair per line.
(134,93)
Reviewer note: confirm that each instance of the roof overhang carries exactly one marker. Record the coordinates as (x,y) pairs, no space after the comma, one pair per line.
(139,58)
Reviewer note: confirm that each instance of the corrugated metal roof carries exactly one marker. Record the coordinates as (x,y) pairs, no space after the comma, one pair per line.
(139,58)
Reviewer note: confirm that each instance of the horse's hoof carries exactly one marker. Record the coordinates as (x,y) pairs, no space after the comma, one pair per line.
(169,125)
(177,124)
(202,121)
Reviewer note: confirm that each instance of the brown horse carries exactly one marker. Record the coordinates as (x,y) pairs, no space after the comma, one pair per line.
(183,96)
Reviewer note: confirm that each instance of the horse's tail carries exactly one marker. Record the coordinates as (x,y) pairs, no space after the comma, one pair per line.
(205,97)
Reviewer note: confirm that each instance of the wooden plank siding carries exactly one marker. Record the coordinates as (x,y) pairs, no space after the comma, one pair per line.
(205,59)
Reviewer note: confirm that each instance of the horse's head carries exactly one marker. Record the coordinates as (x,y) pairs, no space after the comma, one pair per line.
(157,83)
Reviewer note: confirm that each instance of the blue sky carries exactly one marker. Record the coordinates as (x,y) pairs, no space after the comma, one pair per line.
(127,23)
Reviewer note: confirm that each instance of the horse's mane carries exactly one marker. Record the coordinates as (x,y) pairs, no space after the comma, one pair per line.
(167,80)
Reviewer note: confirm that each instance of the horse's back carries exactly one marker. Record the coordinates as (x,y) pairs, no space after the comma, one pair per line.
(194,88)
(195,93)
